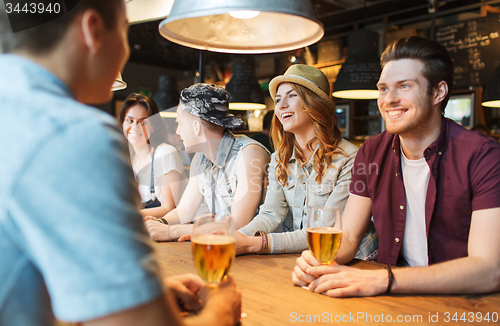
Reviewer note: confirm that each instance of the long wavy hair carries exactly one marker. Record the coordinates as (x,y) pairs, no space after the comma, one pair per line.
(327,134)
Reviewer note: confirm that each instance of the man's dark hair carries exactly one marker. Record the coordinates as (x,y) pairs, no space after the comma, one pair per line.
(437,62)
(44,38)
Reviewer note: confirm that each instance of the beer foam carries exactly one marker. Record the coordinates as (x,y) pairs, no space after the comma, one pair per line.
(213,239)
(324,230)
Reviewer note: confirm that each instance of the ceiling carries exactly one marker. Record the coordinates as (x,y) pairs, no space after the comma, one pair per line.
(339,18)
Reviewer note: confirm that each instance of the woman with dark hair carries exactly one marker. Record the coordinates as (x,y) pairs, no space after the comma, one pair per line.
(311,165)
(157,166)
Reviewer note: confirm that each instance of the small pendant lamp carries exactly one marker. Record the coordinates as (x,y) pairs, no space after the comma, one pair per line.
(242,26)
(119,84)
(491,97)
(358,77)
(244,91)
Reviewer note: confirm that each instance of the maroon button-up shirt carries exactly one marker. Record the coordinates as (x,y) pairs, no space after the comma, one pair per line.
(465,177)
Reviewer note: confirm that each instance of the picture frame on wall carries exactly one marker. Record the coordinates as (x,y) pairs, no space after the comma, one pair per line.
(343,116)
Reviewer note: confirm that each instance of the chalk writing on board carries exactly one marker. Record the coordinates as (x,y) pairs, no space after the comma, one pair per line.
(474,46)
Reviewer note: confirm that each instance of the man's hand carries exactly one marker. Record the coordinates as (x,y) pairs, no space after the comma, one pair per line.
(185,289)
(299,275)
(157,231)
(223,301)
(338,280)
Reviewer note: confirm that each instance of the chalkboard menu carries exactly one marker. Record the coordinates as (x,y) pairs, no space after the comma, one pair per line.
(474,46)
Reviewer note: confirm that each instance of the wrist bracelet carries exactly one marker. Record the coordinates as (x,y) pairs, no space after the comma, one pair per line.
(162,220)
(264,246)
(391,279)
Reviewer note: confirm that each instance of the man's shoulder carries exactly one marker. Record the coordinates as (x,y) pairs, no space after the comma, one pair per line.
(245,141)
(459,136)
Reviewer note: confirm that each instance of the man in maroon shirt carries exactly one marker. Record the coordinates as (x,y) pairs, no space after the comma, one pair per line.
(432,187)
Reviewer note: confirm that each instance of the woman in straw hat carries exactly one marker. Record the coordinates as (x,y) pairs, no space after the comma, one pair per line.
(310,167)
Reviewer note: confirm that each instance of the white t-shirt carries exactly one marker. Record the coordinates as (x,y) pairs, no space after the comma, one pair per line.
(167,159)
(416,178)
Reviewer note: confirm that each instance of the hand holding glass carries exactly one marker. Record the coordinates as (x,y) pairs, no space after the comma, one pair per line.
(213,244)
(324,232)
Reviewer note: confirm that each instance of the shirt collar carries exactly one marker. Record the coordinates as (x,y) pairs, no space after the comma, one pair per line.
(438,146)
(36,77)
(311,159)
(223,151)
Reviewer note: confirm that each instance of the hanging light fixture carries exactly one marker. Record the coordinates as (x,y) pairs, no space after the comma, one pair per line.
(491,97)
(244,91)
(358,77)
(167,96)
(141,11)
(242,26)
(119,84)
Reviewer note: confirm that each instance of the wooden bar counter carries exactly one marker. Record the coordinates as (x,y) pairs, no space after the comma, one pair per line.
(269,297)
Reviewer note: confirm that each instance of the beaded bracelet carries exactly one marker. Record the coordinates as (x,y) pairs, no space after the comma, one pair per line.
(391,279)
(162,220)
(263,237)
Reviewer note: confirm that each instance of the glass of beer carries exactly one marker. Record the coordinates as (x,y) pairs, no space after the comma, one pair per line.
(324,231)
(213,244)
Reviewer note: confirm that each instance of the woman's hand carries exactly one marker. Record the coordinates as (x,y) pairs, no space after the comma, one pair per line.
(185,237)
(157,231)
(247,245)
(149,218)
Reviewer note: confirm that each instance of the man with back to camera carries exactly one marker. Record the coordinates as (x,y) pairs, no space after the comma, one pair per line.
(72,241)
(433,188)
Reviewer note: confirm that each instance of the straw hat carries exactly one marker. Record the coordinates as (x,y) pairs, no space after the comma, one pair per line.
(307,76)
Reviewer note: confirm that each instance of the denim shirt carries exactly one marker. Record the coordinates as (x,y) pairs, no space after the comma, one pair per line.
(332,191)
(66,181)
(220,177)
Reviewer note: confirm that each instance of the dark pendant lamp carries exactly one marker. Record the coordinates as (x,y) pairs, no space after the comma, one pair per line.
(358,76)
(242,26)
(167,96)
(244,91)
(491,97)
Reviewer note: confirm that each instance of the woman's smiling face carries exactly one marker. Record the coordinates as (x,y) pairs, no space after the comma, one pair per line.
(289,111)
(136,127)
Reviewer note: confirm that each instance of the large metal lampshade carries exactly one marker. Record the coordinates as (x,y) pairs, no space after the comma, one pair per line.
(491,97)
(358,77)
(262,26)
(140,11)
(244,90)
